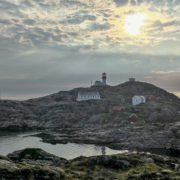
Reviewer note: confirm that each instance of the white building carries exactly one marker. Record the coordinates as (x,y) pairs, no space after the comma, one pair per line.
(98,83)
(85,95)
(138,100)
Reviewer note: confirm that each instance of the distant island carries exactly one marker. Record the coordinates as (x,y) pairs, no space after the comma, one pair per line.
(101,114)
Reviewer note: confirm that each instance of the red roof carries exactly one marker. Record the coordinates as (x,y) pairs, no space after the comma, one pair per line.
(133,117)
(117,108)
(154,98)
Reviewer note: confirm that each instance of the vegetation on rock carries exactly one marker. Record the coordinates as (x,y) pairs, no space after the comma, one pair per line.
(129,166)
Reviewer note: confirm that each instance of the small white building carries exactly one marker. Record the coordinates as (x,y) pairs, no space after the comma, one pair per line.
(98,83)
(103,82)
(85,95)
(138,100)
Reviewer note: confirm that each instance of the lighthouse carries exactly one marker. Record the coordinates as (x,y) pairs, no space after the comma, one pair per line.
(104,77)
(103,82)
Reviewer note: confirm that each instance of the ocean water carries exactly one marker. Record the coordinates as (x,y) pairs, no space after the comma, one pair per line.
(10,142)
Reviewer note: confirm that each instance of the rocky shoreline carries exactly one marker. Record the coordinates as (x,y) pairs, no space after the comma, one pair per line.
(130,136)
(36,164)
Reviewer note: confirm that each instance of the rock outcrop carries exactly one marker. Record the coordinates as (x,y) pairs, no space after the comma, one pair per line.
(136,166)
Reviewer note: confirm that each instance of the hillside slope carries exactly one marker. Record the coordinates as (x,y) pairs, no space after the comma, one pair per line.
(61,109)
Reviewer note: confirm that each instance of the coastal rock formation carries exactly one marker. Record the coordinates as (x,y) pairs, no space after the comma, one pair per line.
(94,121)
(136,166)
(36,154)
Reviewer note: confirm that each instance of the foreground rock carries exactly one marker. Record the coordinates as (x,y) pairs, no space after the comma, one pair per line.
(32,164)
(38,155)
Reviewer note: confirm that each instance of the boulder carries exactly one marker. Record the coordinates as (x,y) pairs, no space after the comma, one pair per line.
(35,154)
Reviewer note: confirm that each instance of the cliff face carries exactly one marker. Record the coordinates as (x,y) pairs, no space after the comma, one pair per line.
(157,123)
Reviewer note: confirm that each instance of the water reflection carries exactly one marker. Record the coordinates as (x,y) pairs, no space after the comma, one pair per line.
(12,142)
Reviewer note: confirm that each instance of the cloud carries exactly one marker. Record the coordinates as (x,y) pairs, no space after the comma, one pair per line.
(166,81)
(29,21)
(78,19)
(133,2)
(159,24)
(43,71)
(166,72)
(5,22)
(154,2)
(48,45)
(121,2)
(101,27)
(6,5)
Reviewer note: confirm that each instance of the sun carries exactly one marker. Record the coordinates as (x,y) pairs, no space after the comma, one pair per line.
(134,22)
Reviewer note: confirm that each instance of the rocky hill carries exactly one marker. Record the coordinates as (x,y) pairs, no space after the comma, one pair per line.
(157,123)
(62,109)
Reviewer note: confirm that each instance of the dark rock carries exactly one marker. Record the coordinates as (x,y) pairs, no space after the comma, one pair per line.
(132,166)
(35,154)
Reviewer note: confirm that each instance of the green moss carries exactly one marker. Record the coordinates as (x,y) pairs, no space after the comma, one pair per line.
(35,153)
(141,169)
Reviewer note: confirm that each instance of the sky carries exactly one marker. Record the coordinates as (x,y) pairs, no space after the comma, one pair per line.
(51,45)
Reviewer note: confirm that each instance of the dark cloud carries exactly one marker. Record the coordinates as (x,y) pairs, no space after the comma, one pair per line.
(74,34)
(101,27)
(177,2)
(140,1)
(77,3)
(154,2)
(5,21)
(121,2)
(11,8)
(29,21)
(133,2)
(6,5)
(27,3)
(78,19)
(158,25)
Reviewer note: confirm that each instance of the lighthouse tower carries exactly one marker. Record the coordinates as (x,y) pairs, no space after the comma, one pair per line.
(104,77)
(103,82)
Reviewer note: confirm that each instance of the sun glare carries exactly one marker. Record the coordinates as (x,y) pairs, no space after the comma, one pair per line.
(134,22)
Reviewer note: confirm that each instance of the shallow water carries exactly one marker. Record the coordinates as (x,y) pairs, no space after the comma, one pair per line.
(10,142)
